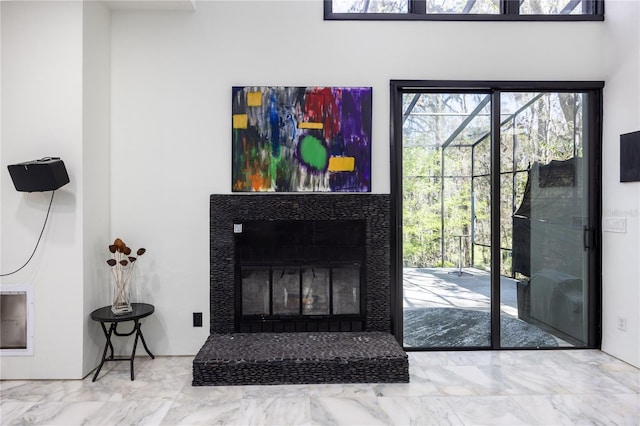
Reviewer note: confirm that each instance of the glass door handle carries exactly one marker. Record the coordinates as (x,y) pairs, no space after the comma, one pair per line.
(589,237)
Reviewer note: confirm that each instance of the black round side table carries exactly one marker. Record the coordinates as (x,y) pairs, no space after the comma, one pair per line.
(104,316)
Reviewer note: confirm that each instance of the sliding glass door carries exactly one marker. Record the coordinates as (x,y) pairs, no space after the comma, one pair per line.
(496,201)
(445,215)
(544,216)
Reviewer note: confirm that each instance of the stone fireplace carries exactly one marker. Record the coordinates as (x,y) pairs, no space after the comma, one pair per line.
(300,292)
(300,263)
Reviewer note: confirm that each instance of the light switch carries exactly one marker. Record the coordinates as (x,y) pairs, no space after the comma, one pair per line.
(614,224)
(237,228)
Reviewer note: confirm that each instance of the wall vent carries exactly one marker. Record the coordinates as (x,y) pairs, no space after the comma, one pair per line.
(16,320)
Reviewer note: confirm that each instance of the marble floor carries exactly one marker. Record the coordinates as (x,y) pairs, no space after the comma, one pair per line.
(561,387)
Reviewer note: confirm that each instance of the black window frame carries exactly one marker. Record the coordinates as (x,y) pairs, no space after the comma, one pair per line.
(509,11)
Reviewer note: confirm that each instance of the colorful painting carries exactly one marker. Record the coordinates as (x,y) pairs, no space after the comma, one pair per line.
(290,139)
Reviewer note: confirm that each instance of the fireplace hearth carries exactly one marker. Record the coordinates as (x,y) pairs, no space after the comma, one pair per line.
(300,358)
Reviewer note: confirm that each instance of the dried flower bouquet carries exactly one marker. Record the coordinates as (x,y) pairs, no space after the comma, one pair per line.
(122,265)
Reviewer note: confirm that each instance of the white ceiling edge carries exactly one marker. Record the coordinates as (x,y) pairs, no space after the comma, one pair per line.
(168,5)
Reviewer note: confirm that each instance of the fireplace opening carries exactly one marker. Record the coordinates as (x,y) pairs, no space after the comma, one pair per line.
(299,275)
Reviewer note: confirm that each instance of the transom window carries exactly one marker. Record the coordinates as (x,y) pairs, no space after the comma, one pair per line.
(563,10)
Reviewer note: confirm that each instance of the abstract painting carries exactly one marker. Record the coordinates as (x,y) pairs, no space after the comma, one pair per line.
(291,139)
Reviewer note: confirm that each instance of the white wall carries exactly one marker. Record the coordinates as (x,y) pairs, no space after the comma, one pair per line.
(621,251)
(171,90)
(96,180)
(42,116)
(171,76)
(56,97)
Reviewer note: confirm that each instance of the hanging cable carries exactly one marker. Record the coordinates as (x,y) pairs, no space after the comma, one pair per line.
(37,243)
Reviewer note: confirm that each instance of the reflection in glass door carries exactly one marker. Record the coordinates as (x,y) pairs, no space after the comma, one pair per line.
(495,206)
(544,216)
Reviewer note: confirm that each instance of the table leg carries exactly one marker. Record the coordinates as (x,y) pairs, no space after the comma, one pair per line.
(145,343)
(107,346)
(135,344)
(112,329)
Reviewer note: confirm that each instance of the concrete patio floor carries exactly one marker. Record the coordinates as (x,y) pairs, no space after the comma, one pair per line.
(468,288)
(445,288)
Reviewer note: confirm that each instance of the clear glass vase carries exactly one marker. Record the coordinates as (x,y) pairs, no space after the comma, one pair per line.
(121,297)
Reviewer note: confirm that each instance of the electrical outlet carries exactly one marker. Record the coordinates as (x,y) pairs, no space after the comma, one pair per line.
(622,323)
(197,319)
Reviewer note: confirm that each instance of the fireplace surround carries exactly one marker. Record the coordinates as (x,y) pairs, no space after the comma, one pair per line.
(373,210)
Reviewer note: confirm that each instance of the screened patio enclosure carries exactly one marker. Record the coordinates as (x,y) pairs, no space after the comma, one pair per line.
(535,281)
(446,165)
